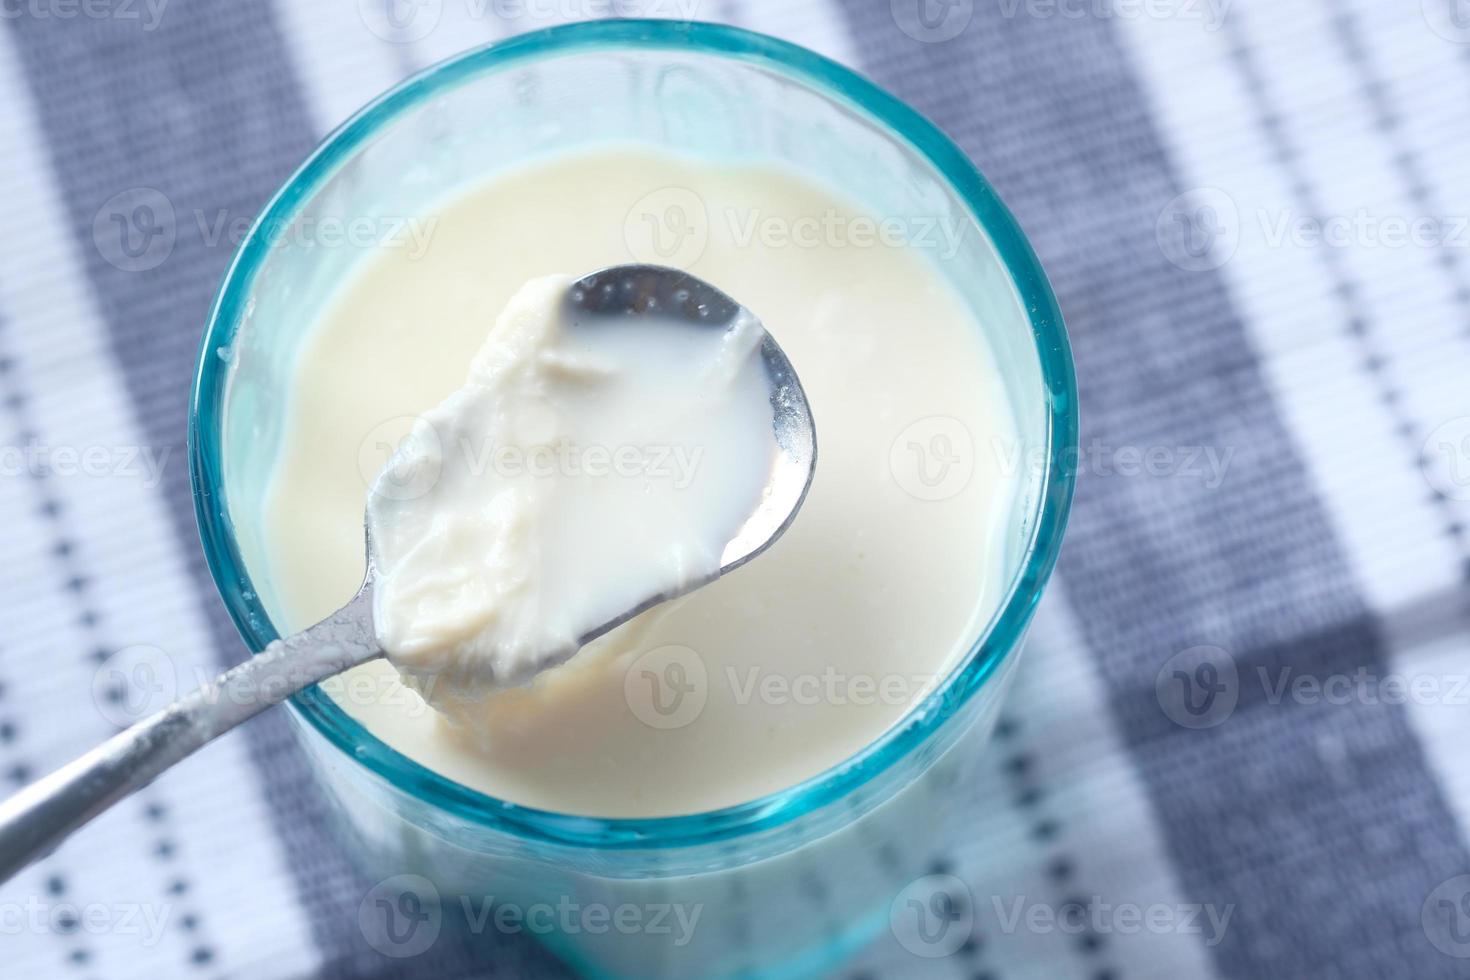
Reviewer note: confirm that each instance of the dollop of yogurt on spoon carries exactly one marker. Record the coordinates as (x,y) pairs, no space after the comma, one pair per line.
(581,473)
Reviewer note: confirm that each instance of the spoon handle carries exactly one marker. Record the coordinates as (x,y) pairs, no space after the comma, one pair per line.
(38,818)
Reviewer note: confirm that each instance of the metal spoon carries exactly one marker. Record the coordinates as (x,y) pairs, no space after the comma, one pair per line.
(38,818)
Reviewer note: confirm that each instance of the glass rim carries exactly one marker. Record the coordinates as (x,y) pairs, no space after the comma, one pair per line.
(999,639)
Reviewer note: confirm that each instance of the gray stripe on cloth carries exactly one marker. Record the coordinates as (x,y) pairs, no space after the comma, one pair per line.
(205,110)
(1321,825)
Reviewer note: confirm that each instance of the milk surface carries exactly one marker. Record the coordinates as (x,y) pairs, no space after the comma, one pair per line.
(771,674)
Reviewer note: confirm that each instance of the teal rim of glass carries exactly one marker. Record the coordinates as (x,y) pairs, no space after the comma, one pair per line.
(923,720)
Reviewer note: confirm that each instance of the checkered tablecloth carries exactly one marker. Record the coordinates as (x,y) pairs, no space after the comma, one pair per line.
(1237,746)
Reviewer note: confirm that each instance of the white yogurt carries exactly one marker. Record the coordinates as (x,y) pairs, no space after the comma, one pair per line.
(580,471)
(772,673)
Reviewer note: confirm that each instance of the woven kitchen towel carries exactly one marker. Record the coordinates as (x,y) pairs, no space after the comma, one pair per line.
(1233,750)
